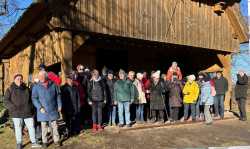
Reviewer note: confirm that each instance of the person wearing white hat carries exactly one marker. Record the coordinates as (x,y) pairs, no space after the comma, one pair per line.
(157,99)
(191,93)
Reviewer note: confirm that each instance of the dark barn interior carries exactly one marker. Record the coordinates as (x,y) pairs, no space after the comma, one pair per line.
(141,55)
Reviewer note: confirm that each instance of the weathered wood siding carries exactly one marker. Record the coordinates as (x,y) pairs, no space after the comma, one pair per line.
(182,22)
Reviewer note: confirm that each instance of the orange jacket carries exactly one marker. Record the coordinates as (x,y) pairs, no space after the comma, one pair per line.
(171,71)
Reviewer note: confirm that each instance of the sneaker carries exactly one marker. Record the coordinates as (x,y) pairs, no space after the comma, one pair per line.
(19,146)
(128,125)
(35,145)
(58,144)
(121,125)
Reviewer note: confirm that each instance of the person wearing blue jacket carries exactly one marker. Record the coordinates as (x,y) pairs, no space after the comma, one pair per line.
(206,98)
(47,100)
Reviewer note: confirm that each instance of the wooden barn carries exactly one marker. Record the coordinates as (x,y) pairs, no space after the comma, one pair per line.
(128,34)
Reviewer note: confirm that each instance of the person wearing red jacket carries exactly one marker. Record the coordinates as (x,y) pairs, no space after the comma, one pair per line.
(174,69)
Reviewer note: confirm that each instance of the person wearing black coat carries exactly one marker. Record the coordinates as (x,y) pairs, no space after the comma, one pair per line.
(97,99)
(18,102)
(71,105)
(241,93)
(112,107)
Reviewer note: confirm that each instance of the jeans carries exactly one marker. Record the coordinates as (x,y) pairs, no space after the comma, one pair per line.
(97,112)
(219,105)
(174,113)
(197,107)
(140,112)
(112,115)
(18,125)
(55,133)
(207,114)
(187,106)
(242,107)
(124,107)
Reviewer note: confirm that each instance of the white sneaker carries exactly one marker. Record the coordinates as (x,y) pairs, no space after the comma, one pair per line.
(35,145)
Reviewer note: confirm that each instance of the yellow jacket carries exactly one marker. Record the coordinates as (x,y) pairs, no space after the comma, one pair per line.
(191,92)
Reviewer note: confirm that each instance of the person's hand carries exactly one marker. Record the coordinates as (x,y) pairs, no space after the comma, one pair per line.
(90,103)
(115,102)
(59,109)
(105,101)
(42,110)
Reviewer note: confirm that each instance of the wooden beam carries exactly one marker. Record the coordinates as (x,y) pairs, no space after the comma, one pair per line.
(66,53)
(238,30)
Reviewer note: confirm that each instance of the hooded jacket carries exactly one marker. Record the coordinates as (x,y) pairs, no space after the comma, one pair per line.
(97,91)
(191,92)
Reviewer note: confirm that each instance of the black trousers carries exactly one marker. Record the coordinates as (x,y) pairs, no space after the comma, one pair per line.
(242,107)
(174,113)
(97,112)
(157,115)
(73,123)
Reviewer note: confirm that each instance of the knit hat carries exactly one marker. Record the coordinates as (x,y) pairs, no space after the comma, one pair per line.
(110,72)
(122,72)
(191,77)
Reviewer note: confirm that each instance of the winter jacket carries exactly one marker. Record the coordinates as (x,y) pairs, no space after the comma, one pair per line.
(70,100)
(81,91)
(241,86)
(206,93)
(54,78)
(141,99)
(171,71)
(157,98)
(191,92)
(84,78)
(48,98)
(97,91)
(175,93)
(124,91)
(221,85)
(110,91)
(18,102)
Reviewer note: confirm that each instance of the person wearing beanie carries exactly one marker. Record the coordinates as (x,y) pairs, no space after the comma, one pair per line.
(141,99)
(206,98)
(97,97)
(157,98)
(112,108)
(191,93)
(17,101)
(123,96)
(71,105)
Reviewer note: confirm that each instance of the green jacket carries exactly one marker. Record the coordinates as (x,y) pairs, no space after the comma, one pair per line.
(124,91)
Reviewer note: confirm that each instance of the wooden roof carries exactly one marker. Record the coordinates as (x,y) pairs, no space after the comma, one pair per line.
(184,22)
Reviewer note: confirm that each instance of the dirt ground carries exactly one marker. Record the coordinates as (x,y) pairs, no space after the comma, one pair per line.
(221,133)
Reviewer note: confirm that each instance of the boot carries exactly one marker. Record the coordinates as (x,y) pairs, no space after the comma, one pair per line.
(94,128)
(99,128)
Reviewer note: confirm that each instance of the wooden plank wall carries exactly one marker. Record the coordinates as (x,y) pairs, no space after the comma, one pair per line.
(182,22)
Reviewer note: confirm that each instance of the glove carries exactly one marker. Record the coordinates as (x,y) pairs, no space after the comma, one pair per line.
(42,110)
(90,103)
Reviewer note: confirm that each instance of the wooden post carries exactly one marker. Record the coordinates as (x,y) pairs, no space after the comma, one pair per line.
(6,78)
(66,53)
(226,62)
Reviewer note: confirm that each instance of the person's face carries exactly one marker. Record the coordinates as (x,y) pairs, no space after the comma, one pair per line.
(121,76)
(80,69)
(110,76)
(18,80)
(174,65)
(69,81)
(131,76)
(42,78)
(140,77)
(218,75)
(241,73)
(155,79)
(144,74)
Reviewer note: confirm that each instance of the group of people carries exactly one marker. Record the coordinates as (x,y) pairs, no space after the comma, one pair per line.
(124,99)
